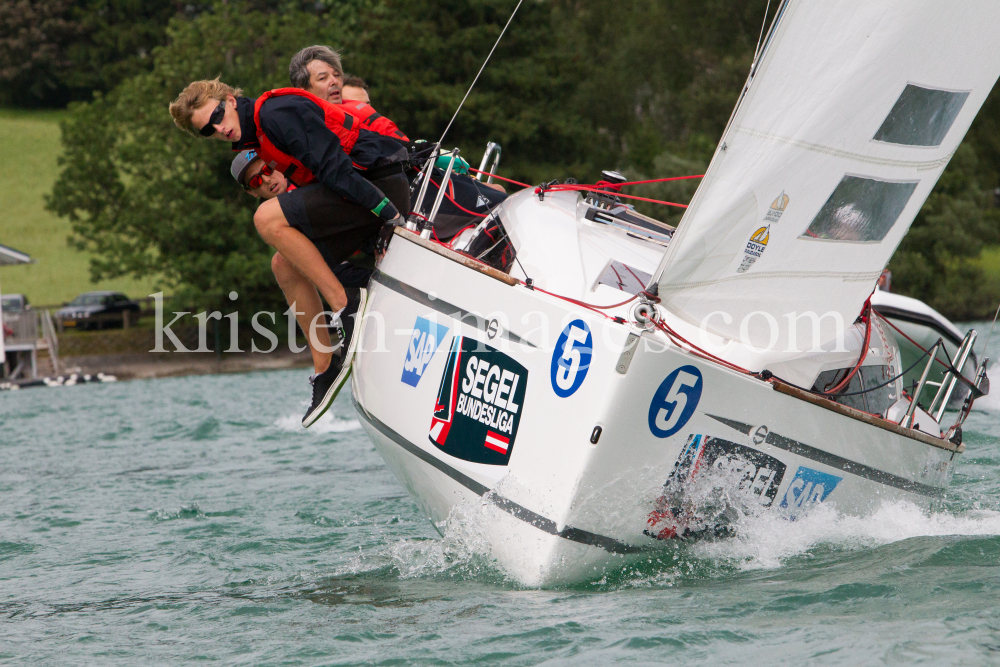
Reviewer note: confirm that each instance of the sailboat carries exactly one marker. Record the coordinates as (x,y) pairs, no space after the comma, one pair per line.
(595,382)
(918,327)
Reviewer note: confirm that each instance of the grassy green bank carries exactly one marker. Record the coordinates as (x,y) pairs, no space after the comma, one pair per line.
(29,151)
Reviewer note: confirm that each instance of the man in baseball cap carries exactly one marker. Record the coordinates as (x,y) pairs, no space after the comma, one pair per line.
(259,180)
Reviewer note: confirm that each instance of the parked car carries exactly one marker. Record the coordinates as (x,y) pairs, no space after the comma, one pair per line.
(97,310)
(14,303)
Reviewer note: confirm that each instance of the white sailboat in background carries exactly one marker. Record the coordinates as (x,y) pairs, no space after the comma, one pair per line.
(919,327)
(517,384)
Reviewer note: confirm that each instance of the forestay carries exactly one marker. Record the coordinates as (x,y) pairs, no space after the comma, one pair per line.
(854,111)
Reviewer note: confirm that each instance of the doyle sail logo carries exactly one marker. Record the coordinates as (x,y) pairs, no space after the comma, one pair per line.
(479,403)
(807,488)
(757,243)
(423,344)
(778,207)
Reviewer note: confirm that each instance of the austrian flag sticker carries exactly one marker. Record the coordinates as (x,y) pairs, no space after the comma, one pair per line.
(497,443)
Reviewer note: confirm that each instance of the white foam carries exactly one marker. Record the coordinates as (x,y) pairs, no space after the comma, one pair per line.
(989,402)
(767,541)
(463,550)
(328,423)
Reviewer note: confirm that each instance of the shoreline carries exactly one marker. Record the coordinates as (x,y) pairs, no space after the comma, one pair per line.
(146,365)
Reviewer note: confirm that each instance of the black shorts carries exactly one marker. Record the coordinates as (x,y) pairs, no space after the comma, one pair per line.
(336,226)
(352,275)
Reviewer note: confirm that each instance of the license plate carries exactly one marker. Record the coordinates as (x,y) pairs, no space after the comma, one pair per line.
(69,323)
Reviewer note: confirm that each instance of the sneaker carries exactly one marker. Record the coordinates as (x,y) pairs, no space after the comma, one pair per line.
(325,387)
(357,300)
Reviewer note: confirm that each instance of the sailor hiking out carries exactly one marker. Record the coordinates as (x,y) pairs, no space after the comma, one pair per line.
(290,127)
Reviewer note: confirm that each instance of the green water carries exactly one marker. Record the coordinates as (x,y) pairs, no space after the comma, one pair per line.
(191,520)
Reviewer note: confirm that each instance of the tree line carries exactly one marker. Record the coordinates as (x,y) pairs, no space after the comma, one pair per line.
(576,86)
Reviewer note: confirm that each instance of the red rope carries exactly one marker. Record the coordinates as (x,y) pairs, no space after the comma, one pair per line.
(523,185)
(459,233)
(591,188)
(617,185)
(918,345)
(660,180)
(697,351)
(585,305)
(864,350)
(457,205)
(676,338)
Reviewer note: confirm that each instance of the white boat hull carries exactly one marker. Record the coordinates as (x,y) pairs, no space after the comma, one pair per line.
(557,507)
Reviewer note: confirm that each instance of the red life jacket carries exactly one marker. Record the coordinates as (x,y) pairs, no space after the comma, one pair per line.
(373,120)
(341,123)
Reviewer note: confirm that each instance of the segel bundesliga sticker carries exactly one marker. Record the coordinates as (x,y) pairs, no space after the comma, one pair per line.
(423,344)
(707,471)
(755,474)
(808,487)
(479,403)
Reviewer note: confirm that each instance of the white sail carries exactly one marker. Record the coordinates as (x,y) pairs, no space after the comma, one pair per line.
(854,111)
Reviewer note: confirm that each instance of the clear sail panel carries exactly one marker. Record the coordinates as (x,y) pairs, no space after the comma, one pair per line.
(921,116)
(862,210)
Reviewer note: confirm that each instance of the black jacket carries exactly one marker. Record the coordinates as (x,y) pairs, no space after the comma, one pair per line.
(296,126)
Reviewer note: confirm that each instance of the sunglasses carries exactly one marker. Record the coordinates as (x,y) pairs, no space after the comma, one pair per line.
(216,118)
(258,179)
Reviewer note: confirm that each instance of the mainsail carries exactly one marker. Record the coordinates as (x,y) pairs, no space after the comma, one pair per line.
(853,112)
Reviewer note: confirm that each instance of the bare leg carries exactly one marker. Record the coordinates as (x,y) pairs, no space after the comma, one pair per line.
(299,251)
(302,294)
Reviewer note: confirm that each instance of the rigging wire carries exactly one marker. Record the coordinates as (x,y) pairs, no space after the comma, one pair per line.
(588,188)
(863,391)
(441,140)
(756,52)
(991,329)
(915,343)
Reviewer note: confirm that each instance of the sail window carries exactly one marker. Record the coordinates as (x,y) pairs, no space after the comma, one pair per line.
(861,210)
(921,116)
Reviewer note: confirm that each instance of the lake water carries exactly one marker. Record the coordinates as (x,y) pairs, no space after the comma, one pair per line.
(192,519)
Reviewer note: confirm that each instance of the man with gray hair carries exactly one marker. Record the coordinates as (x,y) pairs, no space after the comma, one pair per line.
(318,70)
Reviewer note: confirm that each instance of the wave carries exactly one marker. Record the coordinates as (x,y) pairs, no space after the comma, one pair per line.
(328,423)
(769,541)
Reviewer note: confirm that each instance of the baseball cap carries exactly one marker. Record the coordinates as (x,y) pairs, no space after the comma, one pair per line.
(241,163)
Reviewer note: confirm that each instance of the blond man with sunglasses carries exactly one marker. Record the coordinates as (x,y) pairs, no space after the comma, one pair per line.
(316,147)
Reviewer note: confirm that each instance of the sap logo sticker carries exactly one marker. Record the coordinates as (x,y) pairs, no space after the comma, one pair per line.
(808,487)
(424,342)
(571,358)
(675,401)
